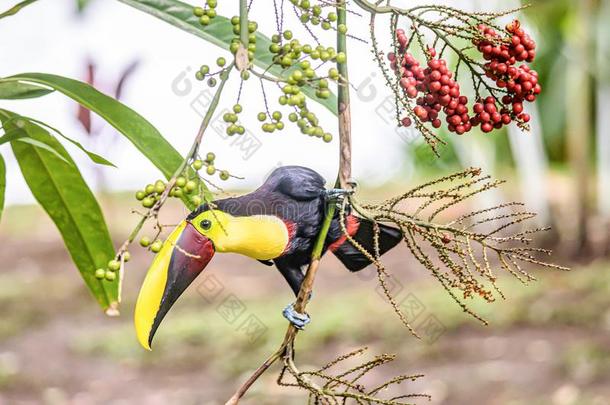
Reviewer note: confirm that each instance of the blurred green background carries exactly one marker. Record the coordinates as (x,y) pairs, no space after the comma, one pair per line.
(547,343)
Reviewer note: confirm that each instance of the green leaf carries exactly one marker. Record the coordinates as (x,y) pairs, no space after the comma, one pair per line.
(42,145)
(220,32)
(62,192)
(95,158)
(17,90)
(145,137)
(11,136)
(16,8)
(2,184)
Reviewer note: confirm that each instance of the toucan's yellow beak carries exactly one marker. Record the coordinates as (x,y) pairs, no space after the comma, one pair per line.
(183,256)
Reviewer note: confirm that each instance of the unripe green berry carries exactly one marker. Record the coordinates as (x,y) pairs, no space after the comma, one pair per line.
(211,82)
(210,170)
(197,164)
(261,116)
(180,181)
(126,256)
(210,156)
(221,61)
(235,20)
(196,200)
(204,69)
(148,202)
(114,265)
(110,276)
(237,108)
(224,175)
(140,195)
(198,11)
(190,186)
(149,189)
(156,246)
(100,274)
(341,58)
(342,28)
(327,137)
(199,76)
(204,20)
(145,241)
(276,115)
(159,187)
(287,35)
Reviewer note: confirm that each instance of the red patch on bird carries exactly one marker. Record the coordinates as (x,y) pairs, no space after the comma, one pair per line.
(351,226)
(291,227)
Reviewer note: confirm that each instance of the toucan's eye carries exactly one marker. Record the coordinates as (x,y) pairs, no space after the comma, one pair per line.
(205,224)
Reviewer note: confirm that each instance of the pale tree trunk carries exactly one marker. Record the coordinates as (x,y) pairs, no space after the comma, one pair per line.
(578,121)
(532,166)
(603,121)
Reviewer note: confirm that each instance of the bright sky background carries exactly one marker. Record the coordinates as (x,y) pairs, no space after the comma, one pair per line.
(49,37)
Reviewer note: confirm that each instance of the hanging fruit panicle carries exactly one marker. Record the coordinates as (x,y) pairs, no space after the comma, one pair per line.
(437,93)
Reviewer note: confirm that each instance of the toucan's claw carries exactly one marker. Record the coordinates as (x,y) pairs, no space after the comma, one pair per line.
(297,319)
(337,192)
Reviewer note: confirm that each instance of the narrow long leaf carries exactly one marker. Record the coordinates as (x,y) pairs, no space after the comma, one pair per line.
(145,137)
(2,184)
(17,91)
(16,8)
(11,136)
(62,192)
(220,32)
(42,145)
(95,158)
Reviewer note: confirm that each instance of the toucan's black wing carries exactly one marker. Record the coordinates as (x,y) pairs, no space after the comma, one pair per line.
(297,182)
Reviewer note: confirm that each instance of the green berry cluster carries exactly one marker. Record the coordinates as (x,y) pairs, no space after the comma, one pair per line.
(210,169)
(313,15)
(232,119)
(154,246)
(274,124)
(308,123)
(288,53)
(204,72)
(236,41)
(113,266)
(207,13)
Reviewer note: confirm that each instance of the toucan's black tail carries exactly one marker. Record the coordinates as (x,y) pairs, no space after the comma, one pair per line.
(362,231)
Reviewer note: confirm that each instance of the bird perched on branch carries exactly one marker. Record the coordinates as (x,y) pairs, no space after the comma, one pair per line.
(277,224)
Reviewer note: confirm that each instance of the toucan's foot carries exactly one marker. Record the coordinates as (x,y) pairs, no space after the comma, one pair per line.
(337,192)
(297,319)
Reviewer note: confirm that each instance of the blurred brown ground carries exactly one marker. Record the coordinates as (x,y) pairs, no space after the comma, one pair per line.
(548,343)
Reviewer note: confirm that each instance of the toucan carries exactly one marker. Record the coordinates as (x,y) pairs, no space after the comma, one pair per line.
(277,224)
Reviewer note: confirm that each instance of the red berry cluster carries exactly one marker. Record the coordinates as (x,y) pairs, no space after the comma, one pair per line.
(520,82)
(436,91)
(434,85)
